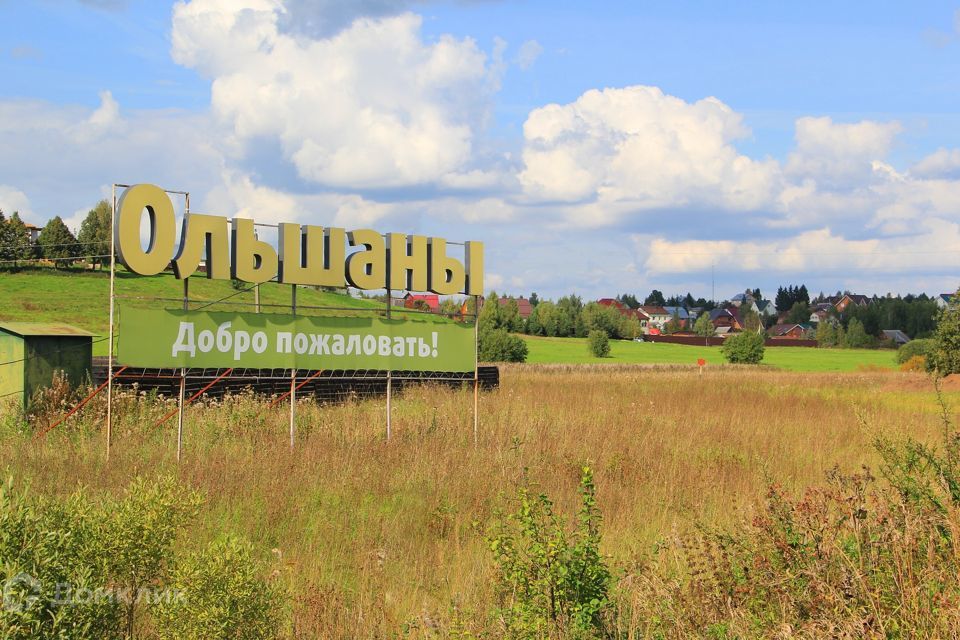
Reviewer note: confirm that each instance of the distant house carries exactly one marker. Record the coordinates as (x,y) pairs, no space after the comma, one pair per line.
(420,300)
(842,302)
(523,306)
(657,316)
(613,302)
(896,336)
(34,232)
(787,331)
(725,321)
(766,309)
(820,312)
(945,300)
(680,314)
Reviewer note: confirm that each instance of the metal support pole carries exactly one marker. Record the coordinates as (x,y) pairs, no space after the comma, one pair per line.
(476,369)
(293,377)
(113,274)
(256,298)
(183,378)
(389,378)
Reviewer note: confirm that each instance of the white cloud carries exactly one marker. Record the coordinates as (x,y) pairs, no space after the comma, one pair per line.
(528,54)
(372,106)
(931,246)
(942,163)
(837,155)
(637,149)
(12,199)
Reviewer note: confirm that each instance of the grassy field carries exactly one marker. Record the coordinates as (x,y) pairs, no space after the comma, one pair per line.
(388,539)
(81,298)
(574,350)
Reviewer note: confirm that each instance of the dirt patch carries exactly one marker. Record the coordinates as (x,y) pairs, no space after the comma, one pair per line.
(922,382)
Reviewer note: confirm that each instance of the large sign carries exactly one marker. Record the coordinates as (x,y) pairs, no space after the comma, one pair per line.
(175,339)
(306,254)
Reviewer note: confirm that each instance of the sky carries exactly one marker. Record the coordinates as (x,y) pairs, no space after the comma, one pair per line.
(595,148)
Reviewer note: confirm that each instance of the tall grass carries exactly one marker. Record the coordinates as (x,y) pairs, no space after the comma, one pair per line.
(380,539)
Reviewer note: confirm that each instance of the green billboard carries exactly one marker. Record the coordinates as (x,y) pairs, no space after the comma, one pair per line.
(174,339)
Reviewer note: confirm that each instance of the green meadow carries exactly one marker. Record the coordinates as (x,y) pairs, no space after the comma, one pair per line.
(574,350)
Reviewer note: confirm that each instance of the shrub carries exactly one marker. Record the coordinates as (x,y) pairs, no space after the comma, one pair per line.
(599,343)
(551,583)
(944,354)
(746,347)
(913,349)
(221,594)
(916,363)
(496,345)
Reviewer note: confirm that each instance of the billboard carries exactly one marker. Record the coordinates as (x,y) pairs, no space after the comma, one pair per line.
(195,339)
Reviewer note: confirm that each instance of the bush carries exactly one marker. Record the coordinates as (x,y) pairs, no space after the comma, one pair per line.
(916,363)
(221,594)
(599,343)
(944,354)
(551,583)
(496,345)
(913,349)
(746,347)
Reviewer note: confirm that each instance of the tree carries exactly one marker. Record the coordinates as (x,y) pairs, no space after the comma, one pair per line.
(799,313)
(944,355)
(629,300)
(703,326)
(674,324)
(857,337)
(534,299)
(496,345)
(56,241)
(826,334)
(15,242)
(743,348)
(599,343)
(749,318)
(655,299)
(599,317)
(94,236)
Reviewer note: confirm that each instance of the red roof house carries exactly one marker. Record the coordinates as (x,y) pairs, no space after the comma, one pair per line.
(415,300)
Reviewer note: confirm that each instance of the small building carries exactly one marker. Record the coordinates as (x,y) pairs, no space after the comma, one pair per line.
(945,300)
(896,336)
(423,301)
(31,352)
(34,232)
(524,308)
(787,331)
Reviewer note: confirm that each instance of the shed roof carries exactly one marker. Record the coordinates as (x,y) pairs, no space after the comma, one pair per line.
(42,329)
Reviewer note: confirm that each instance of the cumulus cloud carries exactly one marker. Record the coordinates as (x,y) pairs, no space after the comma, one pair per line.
(942,163)
(12,199)
(372,106)
(838,155)
(638,149)
(814,251)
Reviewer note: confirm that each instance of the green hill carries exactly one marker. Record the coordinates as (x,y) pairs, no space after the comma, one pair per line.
(82,298)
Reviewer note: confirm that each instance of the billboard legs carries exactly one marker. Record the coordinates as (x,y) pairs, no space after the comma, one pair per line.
(180,399)
(293,406)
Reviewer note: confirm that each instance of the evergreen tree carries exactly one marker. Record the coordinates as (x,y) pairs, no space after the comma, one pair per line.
(16,243)
(655,299)
(857,337)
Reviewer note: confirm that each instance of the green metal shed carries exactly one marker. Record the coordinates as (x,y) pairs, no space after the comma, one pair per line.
(31,351)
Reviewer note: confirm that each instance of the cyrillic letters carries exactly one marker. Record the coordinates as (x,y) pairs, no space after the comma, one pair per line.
(253,260)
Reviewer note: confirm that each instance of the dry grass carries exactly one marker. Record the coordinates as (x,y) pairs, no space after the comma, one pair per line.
(384,537)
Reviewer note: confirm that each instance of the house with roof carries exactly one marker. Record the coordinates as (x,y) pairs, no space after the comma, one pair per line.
(896,336)
(725,321)
(425,301)
(766,309)
(34,232)
(657,316)
(787,331)
(524,308)
(840,303)
(820,312)
(680,314)
(945,300)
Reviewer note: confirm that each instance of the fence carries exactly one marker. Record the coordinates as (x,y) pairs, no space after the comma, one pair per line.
(714,341)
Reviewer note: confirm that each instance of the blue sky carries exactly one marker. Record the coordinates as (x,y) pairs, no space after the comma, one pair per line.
(596,148)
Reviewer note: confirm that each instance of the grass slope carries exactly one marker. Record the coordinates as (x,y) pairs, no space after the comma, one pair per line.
(82,298)
(574,350)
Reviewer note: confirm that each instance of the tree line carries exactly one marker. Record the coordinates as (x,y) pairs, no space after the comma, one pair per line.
(56,242)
